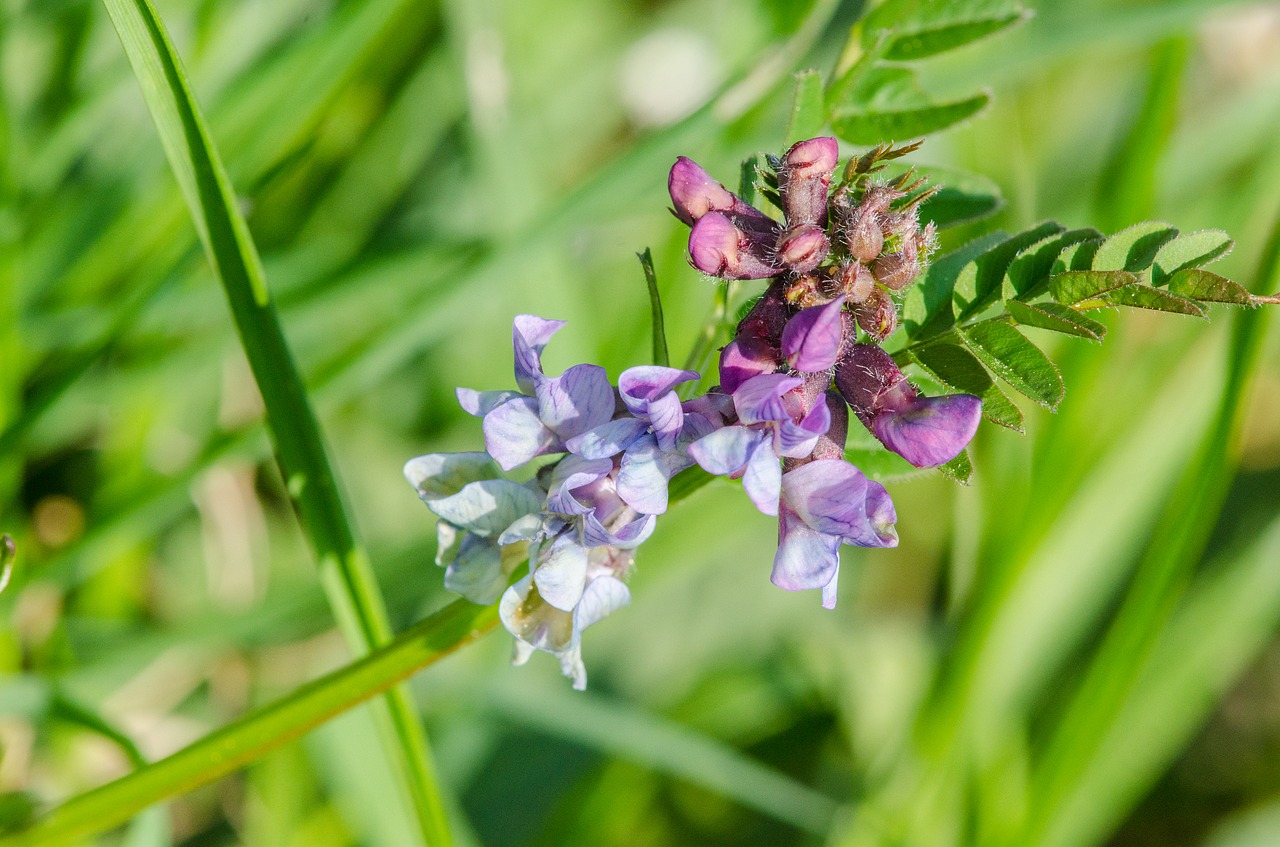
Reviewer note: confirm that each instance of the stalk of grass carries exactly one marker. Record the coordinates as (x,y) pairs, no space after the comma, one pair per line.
(299,448)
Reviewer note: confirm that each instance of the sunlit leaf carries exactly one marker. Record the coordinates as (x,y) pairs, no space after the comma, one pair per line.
(1133,249)
(1189,250)
(1016,360)
(1056,318)
(920,28)
(981,282)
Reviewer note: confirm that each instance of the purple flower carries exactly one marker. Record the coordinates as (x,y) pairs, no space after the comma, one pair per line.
(766,431)
(825,503)
(813,339)
(585,492)
(926,431)
(694,193)
(550,411)
(651,438)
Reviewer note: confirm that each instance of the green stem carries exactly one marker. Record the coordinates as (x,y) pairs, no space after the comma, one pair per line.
(262,731)
(300,451)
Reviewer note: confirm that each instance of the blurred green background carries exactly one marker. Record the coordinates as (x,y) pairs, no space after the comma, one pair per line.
(415,173)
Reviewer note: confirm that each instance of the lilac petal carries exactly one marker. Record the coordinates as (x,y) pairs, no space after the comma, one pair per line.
(725,452)
(627,537)
(526,528)
(829,495)
(881,516)
(608,439)
(579,399)
(759,399)
(813,338)
(538,624)
(930,431)
(481,403)
(744,358)
(448,542)
(797,440)
(716,407)
(667,417)
(487,507)
(694,193)
(529,335)
(476,573)
(514,434)
(696,426)
(574,472)
(719,248)
(641,385)
(829,590)
(603,596)
(438,475)
(646,469)
(806,558)
(562,575)
(763,479)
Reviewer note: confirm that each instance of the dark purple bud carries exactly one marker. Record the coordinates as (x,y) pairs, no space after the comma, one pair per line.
(871,382)
(804,179)
(813,339)
(743,358)
(856,281)
(719,248)
(930,431)
(878,315)
(767,317)
(865,239)
(694,193)
(831,444)
(802,248)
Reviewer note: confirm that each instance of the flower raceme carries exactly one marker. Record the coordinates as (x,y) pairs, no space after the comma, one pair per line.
(594,459)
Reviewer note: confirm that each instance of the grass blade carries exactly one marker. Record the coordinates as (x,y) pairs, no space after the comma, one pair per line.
(299,447)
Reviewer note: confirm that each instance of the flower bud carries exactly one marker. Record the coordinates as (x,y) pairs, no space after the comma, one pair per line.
(767,317)
(865,239)
(694,193)
(719,248)
(871,382)
(896,271)
(878,315)
(855,281)
(804,179)
(930,431)
(802,248)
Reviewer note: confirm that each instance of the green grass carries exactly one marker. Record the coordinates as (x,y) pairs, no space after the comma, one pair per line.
(1069,651)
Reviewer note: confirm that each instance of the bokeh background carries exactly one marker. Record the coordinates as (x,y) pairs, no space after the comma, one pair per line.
(417,172)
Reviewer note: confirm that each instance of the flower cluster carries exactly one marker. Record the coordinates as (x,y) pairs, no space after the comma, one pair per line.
(805,354)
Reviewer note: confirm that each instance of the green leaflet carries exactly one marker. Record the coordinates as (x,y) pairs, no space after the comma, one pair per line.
(1209,287)
(959,369)
(1134,248)
(981,282)
(888,102)
(1146,297)
(959,469)
(1016,360)
(1056,318)
(1075,287)
(808,116)
(1189,250)
(1028,275)
(926,309)
(920,28)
